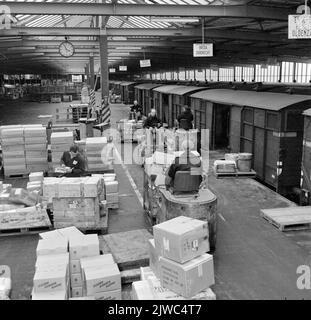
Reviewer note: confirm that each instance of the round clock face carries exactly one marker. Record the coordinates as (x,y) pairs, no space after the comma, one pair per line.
(66,49)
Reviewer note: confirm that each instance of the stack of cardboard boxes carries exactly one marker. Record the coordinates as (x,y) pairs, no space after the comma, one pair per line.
(36,149)
(75,201)
(35,182)
(92,276)
(60,142)
(99,153)
(180,268)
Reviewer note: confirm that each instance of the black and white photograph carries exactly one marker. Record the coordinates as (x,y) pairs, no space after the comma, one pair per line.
(155,155)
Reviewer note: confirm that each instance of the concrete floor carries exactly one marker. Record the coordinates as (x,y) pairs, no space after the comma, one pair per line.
(253,260)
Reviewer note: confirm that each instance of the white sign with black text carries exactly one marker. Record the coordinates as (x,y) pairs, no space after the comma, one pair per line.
(202,49)
(299,26)
(112,70)
(145,63)
(122,68)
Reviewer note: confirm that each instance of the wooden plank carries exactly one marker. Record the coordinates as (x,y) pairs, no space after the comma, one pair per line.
(129,276)
(23,231)
(129,249)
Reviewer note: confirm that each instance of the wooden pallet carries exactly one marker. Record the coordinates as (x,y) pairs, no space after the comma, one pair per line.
(288,219)
(15,176)
(24,231)
(238,174)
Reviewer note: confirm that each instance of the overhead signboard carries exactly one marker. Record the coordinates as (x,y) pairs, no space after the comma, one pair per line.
(202,49)
(145,63)
(112,70)
(299,26)
(122,68)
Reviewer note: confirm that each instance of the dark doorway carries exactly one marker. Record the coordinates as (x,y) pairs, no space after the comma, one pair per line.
(221,126)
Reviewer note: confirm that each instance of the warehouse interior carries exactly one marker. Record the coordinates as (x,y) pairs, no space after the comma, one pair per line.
(94,97)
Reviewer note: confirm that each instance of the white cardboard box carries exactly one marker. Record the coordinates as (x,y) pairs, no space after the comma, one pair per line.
(181,239)
(189,278)
(107,278)
(55,246)
(112,186)
(108,295)
(54,295)
(83,298)
(50,279)
(47,260)
(112,197)
(84,246)
(97,261)
(153,257)
(36,176)
(77,292)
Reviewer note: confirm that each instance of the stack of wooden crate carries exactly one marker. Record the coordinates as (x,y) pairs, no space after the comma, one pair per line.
(36,149)
(60,142)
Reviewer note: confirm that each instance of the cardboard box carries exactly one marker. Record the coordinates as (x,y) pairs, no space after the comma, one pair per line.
(112,187)
(189,278)
(77,292)
(50,279)
(83,298)
(112,197)
(53,295)
(146,273)
(75,266)
(108,295)
(85,246)
(76,280)
(55,246)
(107,278)
(181,239)
(97,261)
(153,257)
(47,260)
(141,290)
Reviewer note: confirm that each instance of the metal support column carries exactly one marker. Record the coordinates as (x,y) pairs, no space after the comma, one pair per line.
(92,78)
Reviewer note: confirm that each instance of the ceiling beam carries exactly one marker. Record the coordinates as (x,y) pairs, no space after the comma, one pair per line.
(154,32)
(114,9)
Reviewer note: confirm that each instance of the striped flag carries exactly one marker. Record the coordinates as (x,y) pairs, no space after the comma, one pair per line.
(92,99)
(105,112)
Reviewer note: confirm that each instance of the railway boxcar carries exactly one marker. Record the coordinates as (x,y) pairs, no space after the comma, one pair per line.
(127,92)
(268,125)
(144,95)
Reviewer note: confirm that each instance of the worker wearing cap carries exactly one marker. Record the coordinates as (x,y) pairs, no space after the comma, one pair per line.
(185,119)
(73,160)
(185,162)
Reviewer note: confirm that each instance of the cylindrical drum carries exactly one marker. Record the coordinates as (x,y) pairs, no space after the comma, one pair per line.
(245,162)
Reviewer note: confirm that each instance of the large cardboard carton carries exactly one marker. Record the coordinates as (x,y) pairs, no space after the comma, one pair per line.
(85,246)
(107,278)
(50,279)
(97,261)
(50,295)
(47,260)
(56,246)
(189,278)
(77,292)
(76,280)
(108,295)
(181,239)
(75,266)
(112,186)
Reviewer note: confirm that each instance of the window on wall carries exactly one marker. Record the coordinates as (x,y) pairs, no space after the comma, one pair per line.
(238,73)
(208,74)
(182,75)
(303,72)
(168,75)
(267,73)
(158,76)
(191,75)
(200,74)
(175,75)
(214,74)
(226,74)
(287,71)
(248,74)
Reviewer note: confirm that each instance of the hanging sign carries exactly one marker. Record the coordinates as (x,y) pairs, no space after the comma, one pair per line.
(202,49)
(122,68)
(299,26)
(145,63)
(112,70)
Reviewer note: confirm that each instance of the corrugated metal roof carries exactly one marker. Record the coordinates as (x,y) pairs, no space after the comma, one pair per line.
(262,100)
(147,85)
(181,90)
(165,89)
(307,112)
(125,83)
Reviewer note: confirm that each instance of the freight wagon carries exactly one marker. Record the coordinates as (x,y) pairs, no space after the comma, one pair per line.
(144,95)
(127,92)
(268,125)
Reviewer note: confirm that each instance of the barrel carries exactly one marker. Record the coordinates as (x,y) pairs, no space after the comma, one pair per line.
(245,162)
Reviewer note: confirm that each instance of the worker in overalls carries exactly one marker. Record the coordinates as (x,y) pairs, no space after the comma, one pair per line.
(152,121)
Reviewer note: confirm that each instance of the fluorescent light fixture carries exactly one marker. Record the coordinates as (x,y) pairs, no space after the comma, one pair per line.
(20,48)
(128,48)
(32,54)
(118,54)
(119,38)
(173,19)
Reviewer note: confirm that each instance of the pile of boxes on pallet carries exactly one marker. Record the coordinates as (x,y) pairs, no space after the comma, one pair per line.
(179,268)
(99,154)
(60,142)
(69,266)
(24,148)
(75,201)
(36,149)
(111,189)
